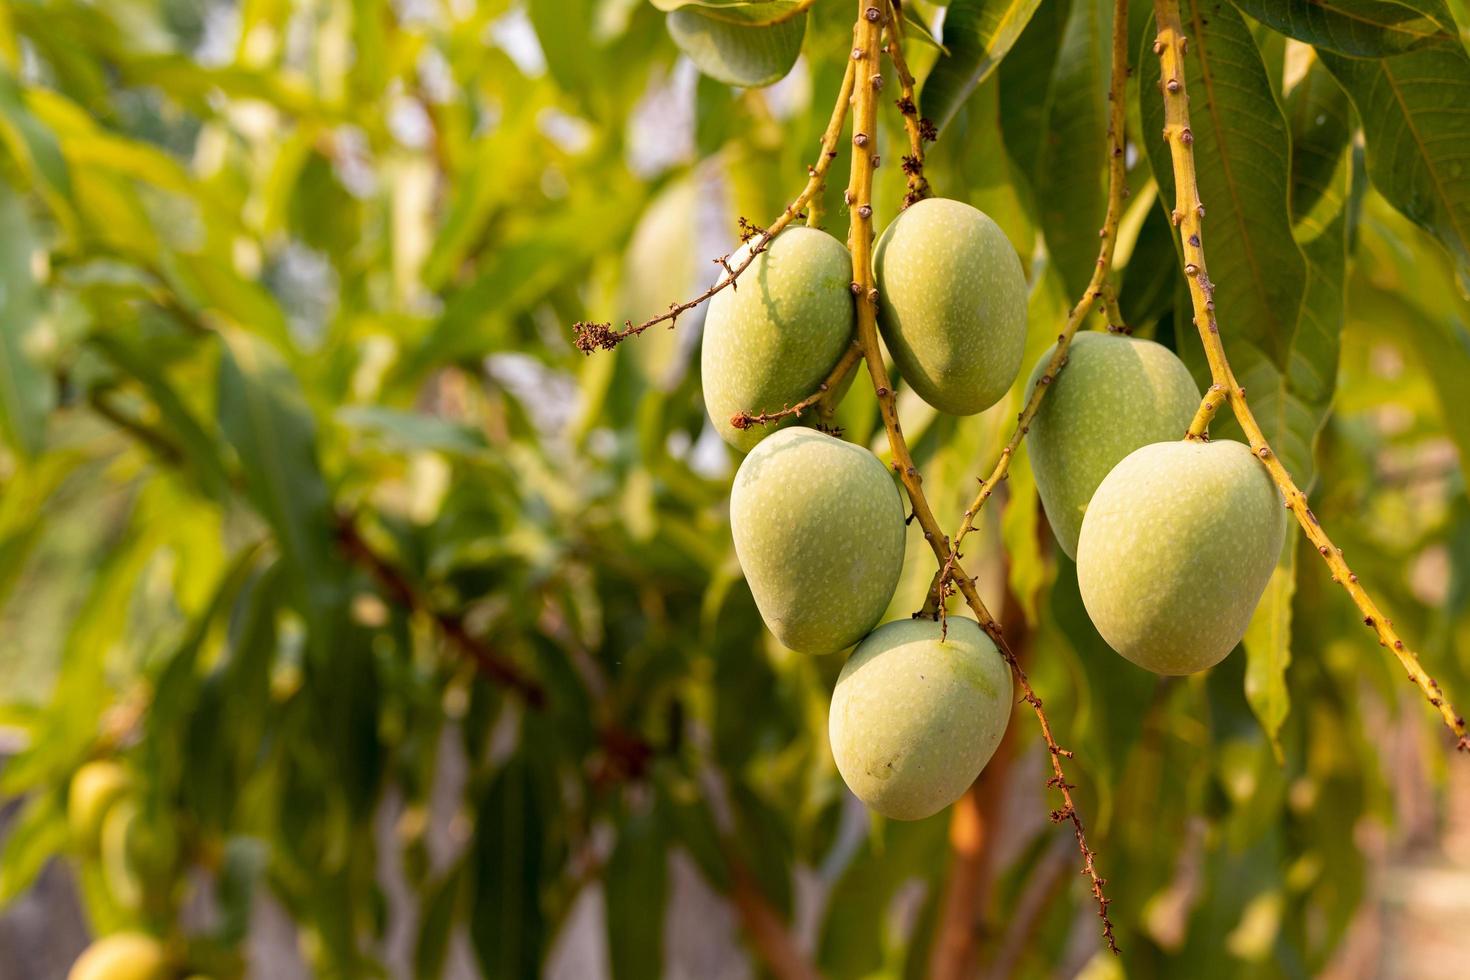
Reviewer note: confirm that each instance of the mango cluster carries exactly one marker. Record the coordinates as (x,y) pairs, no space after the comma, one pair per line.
(1174,541)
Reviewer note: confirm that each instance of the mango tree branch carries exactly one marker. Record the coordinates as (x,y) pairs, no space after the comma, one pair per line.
(839,373)
(1097,288)
(1188,215)
(591,336)
(916,128)
(866,45)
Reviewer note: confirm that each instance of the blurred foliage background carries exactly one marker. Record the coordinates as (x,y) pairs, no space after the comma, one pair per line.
(418,636)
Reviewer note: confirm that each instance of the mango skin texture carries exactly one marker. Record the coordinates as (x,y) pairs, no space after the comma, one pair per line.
(952,304)
(1114,395)
(121,956)
(95,787)
(772,337)
(914,719)
(818,528)
(1176,548)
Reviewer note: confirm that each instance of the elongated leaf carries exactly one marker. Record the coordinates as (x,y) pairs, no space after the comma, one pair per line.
(1242,150)
(978,33)
(737,54)
(1418,136)
(1320,118)
(437,925)
(636,886)
(507,923)
(1071,191)
(37,835)
(737,11)
(1359,28)
(262,413)
(1268,646)
(25,391)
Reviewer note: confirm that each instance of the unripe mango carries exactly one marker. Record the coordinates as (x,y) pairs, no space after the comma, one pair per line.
(94,788)
(1177,546)
(819,530)
(773,336)
(1114,395)
(121,956)
(952,304)
(915,718)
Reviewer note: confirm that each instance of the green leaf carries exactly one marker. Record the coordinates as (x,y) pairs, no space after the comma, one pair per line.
(978,33)
(1418,137)
(25,390)
(1268,646)
(1320,118)
(437,925)
(916,28)
(1243,151)
(1359,28)
(636,886)
(735,53)
(264,416)
(38,833)
(751,12)
(507,923)
(1071,181)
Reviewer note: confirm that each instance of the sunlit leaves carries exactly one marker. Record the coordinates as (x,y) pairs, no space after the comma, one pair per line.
(977,35)
(1360,28)
(1418,137)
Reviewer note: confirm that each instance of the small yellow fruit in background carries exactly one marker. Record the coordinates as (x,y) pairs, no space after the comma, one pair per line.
(819,530)
(1177,546)
(915,718)
(121,956)
(94,788)
(952,304)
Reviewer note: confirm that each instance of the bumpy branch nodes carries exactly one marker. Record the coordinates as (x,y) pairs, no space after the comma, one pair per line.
(913,161)
(589,336)
(866,38)
(1189,216)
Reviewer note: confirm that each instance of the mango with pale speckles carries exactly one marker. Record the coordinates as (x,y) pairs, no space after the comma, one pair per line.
(121,956)
(819,530)
(1176,548)
(1114,395)
(772,337)
(915,718)
(952,304)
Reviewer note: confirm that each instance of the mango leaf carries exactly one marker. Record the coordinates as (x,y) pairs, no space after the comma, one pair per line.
(36,835)
(34,148)
(25,390)
(636,886)
(978,33)
(1268,646)
(740,54)
(507,923)
(1071,184)
(1241,143)
(752,12)
(437,925)
(1418,137)
(1358,28)
(917,28)
(1319,116)
(264,416)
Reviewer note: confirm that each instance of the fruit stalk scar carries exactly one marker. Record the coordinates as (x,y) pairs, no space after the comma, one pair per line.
(1188,215)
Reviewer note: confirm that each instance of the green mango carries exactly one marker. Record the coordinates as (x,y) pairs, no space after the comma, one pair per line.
(121,956)
(774,336)
(1177,546)
(952,304)
(819,530)
(1114,394)
(915,718)
(95,787)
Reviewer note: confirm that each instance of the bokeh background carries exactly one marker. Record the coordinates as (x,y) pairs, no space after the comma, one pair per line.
(418,636)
